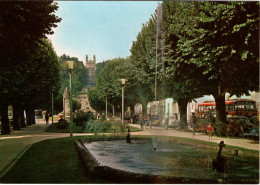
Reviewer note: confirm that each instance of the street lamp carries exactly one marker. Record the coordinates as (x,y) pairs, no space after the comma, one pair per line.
(123,81)
(52,107)
(70,68)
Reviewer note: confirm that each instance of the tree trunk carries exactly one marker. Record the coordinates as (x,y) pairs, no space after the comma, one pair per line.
(221,114)
(21,116)
(182,104)
(16,120)
(132,109)
(4,118)
(144,112)
(28,115)
(33,115)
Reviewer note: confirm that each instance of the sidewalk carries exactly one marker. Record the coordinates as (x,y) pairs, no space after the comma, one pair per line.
(240,142)
(14,144)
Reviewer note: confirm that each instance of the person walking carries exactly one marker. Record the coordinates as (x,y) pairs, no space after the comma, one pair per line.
(47,117)
(209,131)
(194,122)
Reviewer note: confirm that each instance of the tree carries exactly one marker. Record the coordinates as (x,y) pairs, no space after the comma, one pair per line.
(109,87)
(226,45)
(143,58)
(23,25)
(79,74)
(186,80)
(96,101)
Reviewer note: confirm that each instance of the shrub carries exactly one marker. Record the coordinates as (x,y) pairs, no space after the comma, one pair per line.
(98,126)
(90,115)
(82,118)
(62,124)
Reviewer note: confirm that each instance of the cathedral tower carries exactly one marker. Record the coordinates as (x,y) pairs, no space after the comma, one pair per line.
(91,71)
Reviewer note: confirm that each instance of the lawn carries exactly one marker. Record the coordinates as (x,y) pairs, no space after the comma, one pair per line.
(53,161)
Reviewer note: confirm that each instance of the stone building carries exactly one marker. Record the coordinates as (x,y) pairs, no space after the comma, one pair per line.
(91,70)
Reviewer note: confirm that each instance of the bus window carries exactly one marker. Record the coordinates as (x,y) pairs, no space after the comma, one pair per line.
(245,105)
(230,107)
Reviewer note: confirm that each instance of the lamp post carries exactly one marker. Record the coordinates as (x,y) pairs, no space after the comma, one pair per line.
(70,68)
(106,108)
(52,108)
(123,81)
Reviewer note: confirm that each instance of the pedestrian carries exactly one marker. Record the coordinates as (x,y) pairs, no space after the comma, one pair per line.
(210,130)
(194,122)
(47,117)
(60,116)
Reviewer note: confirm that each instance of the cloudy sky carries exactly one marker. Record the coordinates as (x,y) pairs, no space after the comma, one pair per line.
(104,28)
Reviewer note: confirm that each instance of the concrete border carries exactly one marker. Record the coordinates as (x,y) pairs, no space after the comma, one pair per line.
(119,176)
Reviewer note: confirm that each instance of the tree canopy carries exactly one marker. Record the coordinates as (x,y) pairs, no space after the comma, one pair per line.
(26,57)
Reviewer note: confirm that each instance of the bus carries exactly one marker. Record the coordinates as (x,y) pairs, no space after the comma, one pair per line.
(236,107)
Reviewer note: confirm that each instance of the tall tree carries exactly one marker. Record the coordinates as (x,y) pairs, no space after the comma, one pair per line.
(186,80)
(143,58)
(109,86)
(23,25)
(226,45)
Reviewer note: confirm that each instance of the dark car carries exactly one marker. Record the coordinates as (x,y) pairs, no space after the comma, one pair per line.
(254,120)
(238,125)
(253,133)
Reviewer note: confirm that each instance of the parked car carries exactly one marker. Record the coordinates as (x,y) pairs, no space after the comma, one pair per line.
(254,120)
(253,133)
(238,125)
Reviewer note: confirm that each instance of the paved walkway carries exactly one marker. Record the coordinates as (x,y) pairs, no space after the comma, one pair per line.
(14,144)
(240,142)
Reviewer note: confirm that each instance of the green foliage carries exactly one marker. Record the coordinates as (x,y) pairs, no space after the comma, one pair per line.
(82,118)
(99,67)
(143,58)
(96,101)
(98,126)
(75,104)
(109,85)
(78,74)
(26,56)
(62,124)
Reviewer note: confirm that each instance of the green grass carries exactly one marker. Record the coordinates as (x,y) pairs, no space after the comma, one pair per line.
(50,161)
(54,128)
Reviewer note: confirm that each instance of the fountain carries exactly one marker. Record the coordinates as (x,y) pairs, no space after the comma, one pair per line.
(154,141)
(173,161)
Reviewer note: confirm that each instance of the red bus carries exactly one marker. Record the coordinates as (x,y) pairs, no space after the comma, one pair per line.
(238,107)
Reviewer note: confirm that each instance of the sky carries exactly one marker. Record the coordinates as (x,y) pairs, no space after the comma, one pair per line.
(104,28)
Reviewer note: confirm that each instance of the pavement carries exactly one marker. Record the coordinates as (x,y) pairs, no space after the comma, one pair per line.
(14,145)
